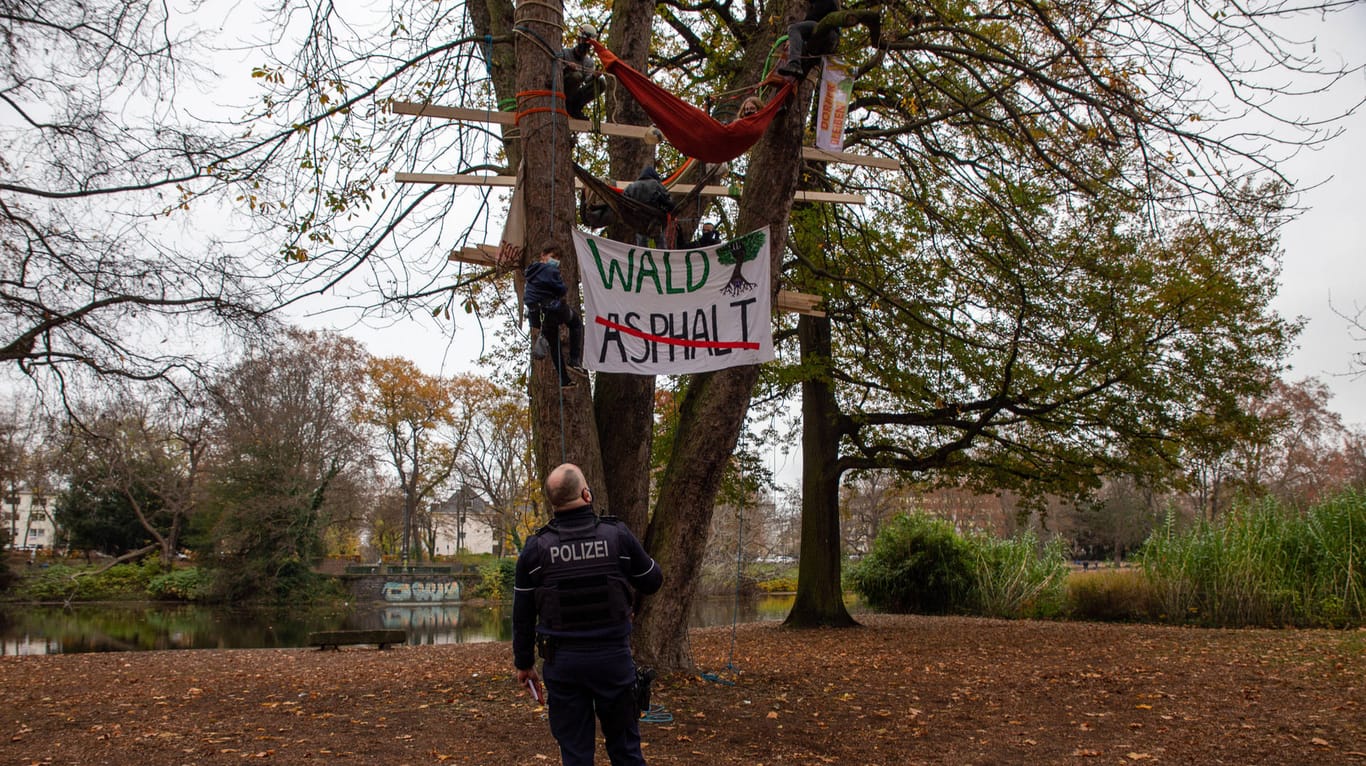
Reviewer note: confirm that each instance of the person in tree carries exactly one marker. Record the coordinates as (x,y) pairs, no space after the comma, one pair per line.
(709,236)
(573,595)
(547,310)
(649,189)
(802,51)
(582,81)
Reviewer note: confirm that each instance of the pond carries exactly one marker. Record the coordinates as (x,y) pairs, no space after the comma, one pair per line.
(50,629)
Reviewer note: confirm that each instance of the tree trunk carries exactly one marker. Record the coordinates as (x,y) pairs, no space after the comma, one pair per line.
(625,413)
(563,426)
(625,403)
(712,412)
(820,598)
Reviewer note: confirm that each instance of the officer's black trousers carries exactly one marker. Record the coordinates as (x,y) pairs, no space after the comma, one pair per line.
(583,681)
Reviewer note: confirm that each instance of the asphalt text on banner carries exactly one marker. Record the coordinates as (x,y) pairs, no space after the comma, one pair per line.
(669,312)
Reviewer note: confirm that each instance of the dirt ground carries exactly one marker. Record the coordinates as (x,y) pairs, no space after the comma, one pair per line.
(899,690)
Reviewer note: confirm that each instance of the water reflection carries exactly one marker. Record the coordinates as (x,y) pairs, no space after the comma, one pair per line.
(109,627)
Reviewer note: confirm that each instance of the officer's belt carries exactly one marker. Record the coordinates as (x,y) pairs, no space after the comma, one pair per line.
(570,641)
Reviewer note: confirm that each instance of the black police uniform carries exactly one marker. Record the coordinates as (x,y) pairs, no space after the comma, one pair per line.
(572,598)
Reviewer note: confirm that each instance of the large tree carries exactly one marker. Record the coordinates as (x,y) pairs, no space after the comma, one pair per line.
(1000,109)
(416,418)
(135,469)
(289,461)
(497,461)
(1080,99)
(1037,348)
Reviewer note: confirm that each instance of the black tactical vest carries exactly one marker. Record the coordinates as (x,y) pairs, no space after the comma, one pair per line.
(580,586)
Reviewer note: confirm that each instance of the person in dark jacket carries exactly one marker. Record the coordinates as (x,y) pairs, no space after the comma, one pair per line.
(709,236)
(802,51)
(547,310)
(573,597)
(649,189)
(582,81)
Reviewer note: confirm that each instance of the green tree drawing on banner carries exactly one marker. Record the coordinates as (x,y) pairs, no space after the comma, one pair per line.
(739,252)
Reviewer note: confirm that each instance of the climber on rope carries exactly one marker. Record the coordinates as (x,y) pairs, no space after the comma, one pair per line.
(649,189)
(545,296)
(582,81)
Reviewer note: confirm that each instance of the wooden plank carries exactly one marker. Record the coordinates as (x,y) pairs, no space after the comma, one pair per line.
(491,117)
(452,113)
(479,255)
(457,179)
(849,158)
(800,303)
(617,129)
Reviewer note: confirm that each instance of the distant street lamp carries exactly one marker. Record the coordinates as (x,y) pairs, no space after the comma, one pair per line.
(13,514)
(465,509)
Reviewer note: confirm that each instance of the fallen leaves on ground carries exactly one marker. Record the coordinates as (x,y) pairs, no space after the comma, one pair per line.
(899,690)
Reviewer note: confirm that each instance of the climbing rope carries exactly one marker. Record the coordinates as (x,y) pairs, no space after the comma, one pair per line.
(656,714)
(557,82)
(534,94)
(735,610)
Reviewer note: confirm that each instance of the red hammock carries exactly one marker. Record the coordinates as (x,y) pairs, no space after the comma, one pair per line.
(691,130)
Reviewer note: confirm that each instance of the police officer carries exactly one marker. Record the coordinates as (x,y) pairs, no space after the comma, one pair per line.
(572,600)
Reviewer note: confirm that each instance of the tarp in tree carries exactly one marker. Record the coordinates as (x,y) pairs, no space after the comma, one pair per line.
(642,218)
(691,130)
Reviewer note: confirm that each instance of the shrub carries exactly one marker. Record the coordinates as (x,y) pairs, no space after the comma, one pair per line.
(495,579)
(778,585)
(189,584)
(1120,595)
(918,564)
(251,580)
(122,582)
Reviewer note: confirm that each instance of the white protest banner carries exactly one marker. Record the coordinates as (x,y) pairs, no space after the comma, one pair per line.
(514,228)
(836,89)
(668,312)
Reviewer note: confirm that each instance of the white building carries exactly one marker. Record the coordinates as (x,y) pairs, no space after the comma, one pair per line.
(460,523)
(28,521)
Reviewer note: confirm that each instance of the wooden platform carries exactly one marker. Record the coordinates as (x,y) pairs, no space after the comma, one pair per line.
(459,179)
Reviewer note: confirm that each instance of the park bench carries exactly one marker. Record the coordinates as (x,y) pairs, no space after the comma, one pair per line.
(335,639)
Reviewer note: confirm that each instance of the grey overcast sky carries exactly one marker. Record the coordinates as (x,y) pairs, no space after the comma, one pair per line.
(1324,267)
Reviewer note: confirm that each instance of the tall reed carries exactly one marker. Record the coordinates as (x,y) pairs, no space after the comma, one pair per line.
(1018,577)
(1262,564)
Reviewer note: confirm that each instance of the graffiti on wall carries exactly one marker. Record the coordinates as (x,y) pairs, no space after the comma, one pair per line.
(404,592)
